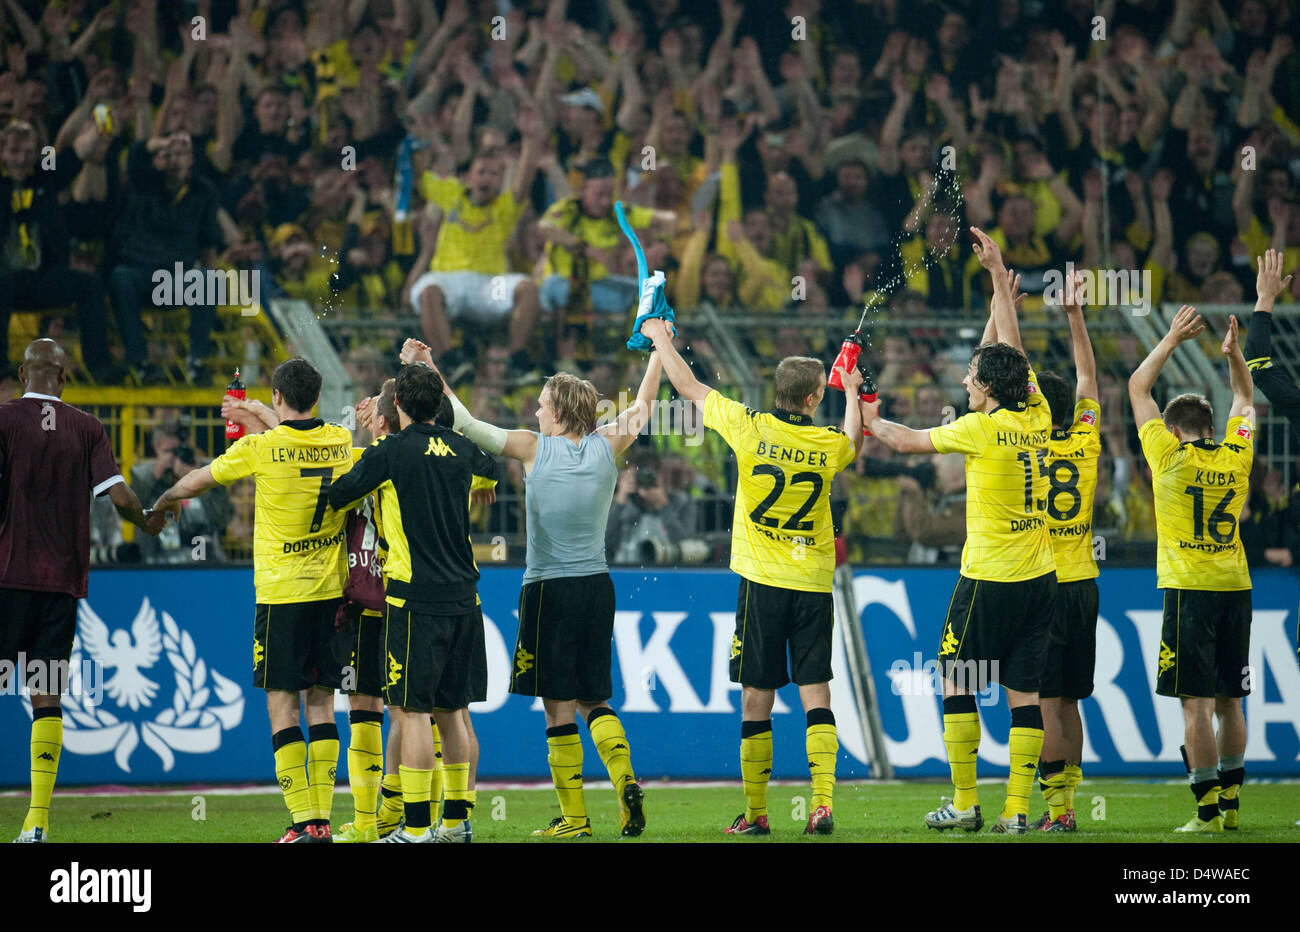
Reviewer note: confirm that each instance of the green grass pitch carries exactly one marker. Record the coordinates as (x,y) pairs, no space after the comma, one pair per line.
(1133,811)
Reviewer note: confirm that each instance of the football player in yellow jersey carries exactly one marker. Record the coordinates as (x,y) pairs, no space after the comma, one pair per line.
(299,568)
(1199,488)
(782,547)
(1071,463)
(999,615)
(465,266)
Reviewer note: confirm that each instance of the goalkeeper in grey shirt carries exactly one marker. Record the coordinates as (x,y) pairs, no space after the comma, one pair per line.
(566,608)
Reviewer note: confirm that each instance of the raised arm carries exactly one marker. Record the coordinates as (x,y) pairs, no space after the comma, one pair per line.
(679,373)
(852,381)
(1186,325)
(1085,363)
(1243,392)
(1002,310)
(1276,384)
(623,431)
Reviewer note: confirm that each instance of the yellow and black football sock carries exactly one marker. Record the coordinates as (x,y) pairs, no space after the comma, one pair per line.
(322,766)
(611,744)
(435,790)
(291,774)
(365,765)
(755,766)
(1026,745)
(390,800)
(1073,777)
(564,745)
(961,736)
(1205,787)
(455,791)
(46,747)
(1052,781)
(1232,774)
(415,797)
(823,746)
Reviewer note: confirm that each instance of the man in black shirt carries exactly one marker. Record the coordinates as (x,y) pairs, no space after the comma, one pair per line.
(169,217)
(433,625)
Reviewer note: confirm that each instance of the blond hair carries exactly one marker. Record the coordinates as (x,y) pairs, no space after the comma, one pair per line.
(797,377)
(574,401)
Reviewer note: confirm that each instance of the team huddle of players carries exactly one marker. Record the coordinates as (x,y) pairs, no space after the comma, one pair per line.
(366,581)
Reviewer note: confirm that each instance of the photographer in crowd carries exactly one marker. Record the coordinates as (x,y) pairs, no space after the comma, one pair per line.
(196,537)
(648,524)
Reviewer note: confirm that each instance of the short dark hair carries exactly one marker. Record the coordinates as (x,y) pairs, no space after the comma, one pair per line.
(597,168)
(419,392)
(1191,414)
(1004,370)
(1058,393)
(298,383)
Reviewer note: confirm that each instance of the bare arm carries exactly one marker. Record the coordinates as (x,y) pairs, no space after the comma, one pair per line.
(1085,363)
(193,484)
(1186,326)
(1002,311)
(897,437)
(128,507)
(852,381)
(679,373)
(623,432)
(1243,390)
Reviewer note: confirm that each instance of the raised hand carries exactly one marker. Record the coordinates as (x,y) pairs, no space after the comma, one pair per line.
(414,350)
(1229,345)
(1072,300)
(1013,282)
(851,380)
(654,328)
(1269,282)
(1187,325)
(987,251)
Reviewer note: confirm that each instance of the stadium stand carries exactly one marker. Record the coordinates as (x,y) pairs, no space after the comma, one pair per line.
(312,149)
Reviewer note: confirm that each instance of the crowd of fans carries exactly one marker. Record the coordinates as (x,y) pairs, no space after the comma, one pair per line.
(450,169)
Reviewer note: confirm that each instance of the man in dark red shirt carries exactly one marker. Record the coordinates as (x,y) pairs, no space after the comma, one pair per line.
(53,460)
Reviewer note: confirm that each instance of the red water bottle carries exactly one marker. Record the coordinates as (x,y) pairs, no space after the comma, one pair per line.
(867,392)
(850,349)
(236,388)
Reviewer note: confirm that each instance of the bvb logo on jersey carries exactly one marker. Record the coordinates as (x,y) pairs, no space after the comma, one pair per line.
(1166,657)
(949,644)
(523,661)
(438,447)
(394,670)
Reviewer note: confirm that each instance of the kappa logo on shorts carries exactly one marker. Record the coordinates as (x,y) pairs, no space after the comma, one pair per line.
(523,660)
(258,653)
(1167,657)
(735,647)
(394,670)
(949,645)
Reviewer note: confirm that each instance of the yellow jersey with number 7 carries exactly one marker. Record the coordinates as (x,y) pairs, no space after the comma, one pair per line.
(1199,489)
(781,533)
(299,545)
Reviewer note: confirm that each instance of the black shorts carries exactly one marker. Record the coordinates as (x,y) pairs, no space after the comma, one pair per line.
(771,621)
(430,658)
(564,647)
(1071,642)
(40,626)
(1205,644)
(296,647)
(364,643)
(997,632)
(478,670)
